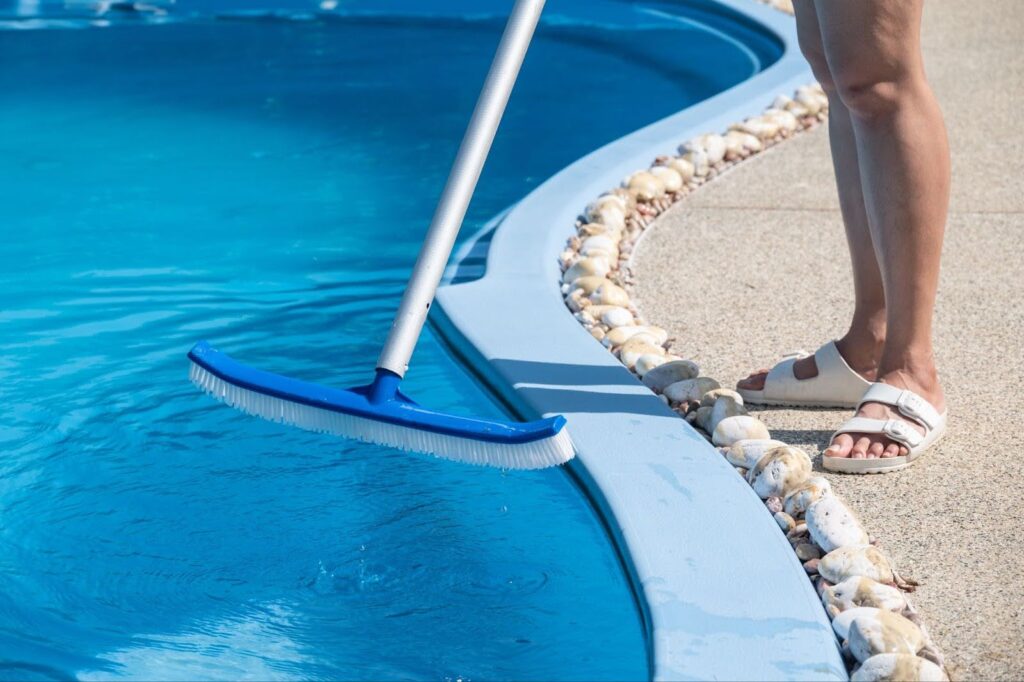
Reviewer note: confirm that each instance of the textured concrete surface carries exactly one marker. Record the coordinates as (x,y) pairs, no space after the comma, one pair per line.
(753,266)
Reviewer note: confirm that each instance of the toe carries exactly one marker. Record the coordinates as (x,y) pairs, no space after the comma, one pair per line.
(860,448)
(840,447)
(875,450)
(904,451)
(891,450)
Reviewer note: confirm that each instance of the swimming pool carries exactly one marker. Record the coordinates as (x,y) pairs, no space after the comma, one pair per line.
(263,182)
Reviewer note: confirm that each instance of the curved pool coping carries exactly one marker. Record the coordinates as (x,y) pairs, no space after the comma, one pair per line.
(722,596)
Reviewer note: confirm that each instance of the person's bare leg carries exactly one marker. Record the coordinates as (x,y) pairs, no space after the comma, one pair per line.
(861,346)
(874,55)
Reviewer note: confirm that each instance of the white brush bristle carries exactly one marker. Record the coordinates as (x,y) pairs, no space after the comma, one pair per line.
(539,454)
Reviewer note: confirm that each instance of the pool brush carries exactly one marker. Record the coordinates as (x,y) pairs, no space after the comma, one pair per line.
(379,412)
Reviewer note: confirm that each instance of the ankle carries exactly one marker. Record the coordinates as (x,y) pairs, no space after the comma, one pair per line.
(862,348)
(869,325)
(919,366)
(914,370)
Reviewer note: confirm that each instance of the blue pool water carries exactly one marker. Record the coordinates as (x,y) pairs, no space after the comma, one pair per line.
(264,183)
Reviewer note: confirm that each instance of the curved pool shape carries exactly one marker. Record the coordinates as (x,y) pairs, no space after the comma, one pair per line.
(264,183)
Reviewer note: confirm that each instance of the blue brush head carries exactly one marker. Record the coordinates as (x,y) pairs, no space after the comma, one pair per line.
(323,408)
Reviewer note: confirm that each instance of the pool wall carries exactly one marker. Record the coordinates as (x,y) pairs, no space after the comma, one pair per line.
(721,594)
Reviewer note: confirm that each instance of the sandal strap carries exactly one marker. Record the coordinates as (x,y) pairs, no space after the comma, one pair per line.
(907,402)
(895,429)
(831,363)
(778,383)
(835,379)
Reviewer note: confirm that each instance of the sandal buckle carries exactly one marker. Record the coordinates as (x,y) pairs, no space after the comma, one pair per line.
(897,428)
(902,431)
(911,403)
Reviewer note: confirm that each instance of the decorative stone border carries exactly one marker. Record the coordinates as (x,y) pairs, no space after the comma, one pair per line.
(880,630)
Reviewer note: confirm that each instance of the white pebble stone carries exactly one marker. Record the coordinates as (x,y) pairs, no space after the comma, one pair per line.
(832,525)
(738,428)
(607,202)
(884,632)
(690,389)
(632,351)
(619,335)
(597,229)
(711,145)
(784,119)
(617,316)
(806,494)
(781,102)
(609,215)
(681,166)
(586,267)
(641,340)
(785,521)
(859,591)
(610,294)
(575,300)
(733,145)
(761,127)
(610,256)
(898,668)
(810,101)
(798,110)
(723,408)
(699,160)
(672,180)
(709,398)
(747,453)
(599,242)
(584,318)
(644,185)
(751,143)
(669,373)
(842,622)
(645,363)
(589,284)
(779,471)
(865,561)
(660,335)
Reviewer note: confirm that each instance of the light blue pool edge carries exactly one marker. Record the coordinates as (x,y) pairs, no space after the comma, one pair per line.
(721,594)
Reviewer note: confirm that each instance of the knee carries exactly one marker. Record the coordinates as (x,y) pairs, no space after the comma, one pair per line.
(872,96)
(815,56)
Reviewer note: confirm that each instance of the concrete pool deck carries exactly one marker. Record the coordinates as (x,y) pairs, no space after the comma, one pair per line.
(744,270)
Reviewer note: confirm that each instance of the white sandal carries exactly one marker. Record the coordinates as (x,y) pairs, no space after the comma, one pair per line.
(836,384)
(910,405)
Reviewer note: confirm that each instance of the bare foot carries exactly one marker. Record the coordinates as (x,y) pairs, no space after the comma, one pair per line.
(861,356)
(873,445)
